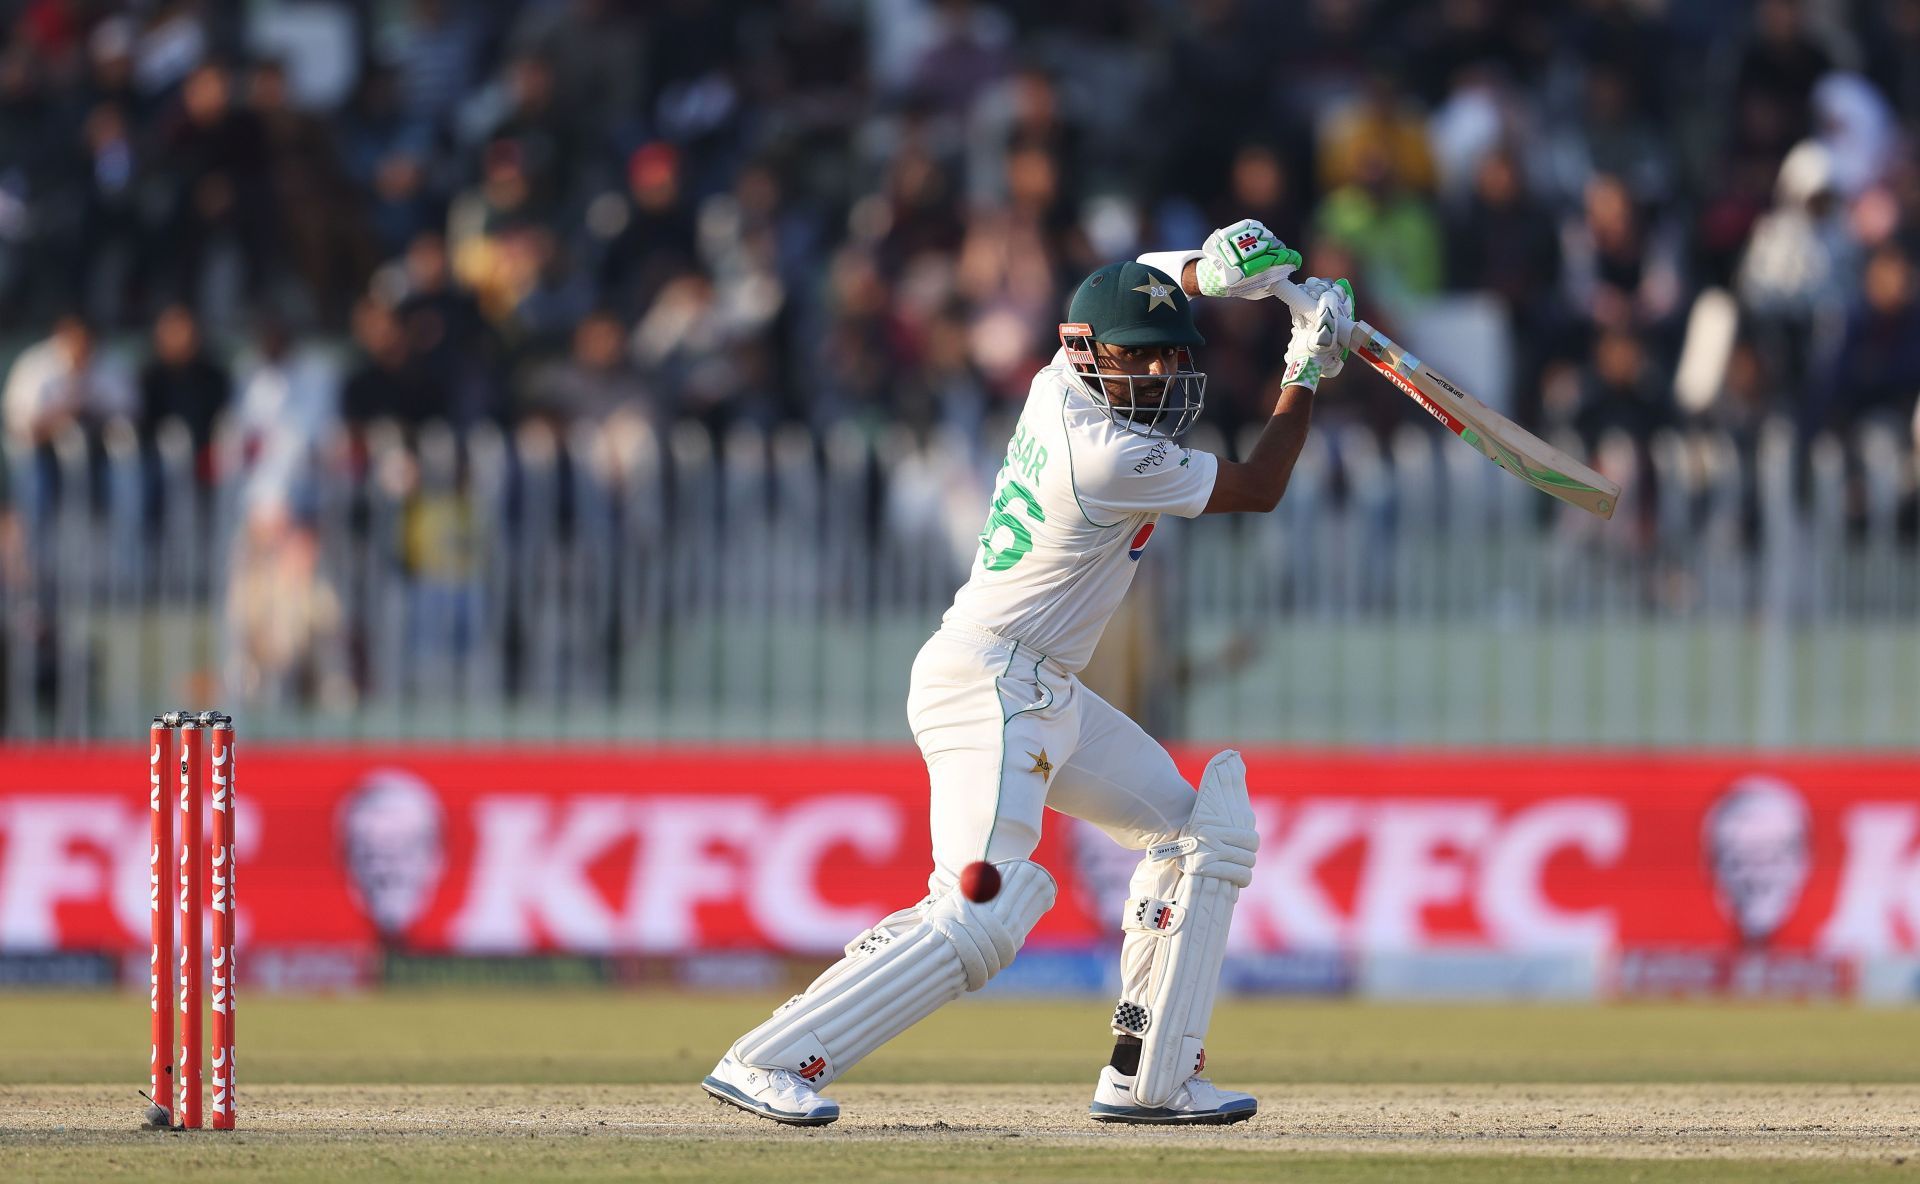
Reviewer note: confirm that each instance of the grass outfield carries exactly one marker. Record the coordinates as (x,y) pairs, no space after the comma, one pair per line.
(600,1086)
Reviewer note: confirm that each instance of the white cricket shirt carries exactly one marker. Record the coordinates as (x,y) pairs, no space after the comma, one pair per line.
(1073,509)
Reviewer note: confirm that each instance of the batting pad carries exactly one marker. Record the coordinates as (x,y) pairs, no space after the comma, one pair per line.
(898,973)
(1175,930)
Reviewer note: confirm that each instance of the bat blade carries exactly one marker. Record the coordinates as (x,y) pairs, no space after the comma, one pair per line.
(1491,434)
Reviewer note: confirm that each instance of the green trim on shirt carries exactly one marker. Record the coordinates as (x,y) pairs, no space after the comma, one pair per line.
(1072,481)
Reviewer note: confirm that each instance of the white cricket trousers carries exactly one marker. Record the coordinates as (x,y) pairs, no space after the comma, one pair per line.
(1007,732)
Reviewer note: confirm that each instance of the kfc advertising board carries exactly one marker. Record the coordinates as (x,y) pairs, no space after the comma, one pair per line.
(1666,873)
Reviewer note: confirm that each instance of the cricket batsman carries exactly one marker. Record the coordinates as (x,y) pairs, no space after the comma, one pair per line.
(1007,728)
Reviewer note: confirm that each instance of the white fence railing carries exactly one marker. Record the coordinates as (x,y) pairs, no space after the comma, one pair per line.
(623,585)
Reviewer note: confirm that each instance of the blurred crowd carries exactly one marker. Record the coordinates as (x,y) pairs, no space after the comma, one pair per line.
(871,210)
(307,213)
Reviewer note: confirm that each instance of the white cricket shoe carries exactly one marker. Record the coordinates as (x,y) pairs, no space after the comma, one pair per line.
(1197,1102)
(779,1094)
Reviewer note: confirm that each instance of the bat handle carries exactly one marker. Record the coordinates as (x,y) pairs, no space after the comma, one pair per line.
(1301,304)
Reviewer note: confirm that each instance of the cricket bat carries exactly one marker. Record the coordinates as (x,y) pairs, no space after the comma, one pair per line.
(1493,435)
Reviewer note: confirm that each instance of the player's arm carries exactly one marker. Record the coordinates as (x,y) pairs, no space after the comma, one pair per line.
(1256,484)
(1238,260)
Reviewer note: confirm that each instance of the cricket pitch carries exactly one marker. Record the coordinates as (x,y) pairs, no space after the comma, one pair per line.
(427,1085)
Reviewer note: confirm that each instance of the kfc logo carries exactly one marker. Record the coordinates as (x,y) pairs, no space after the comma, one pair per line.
(392,843)
(1755,839)
(666,865)
(1878,910)
(1713,877)
(1429,870)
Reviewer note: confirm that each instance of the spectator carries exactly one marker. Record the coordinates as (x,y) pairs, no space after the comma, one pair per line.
(182,380)
(1623,36)
(61,381)
(557,296)
(389,383)
(543,131)
(445,332)
(319,218)
(922,215)
(390,159)
(287,410)
(1857,127)
(945,389)
(110,68)
(435,53)
(967,52)
(1377,140)
(1619,392)
(55,385)
(695,65)
(426,288)
(1776,75)
(1612,135)
(28,143)
(812,85)
(112,247)
(1021,112)
(50,30)
(1469,37)
(214,155)
(171,46)
(686,344)
(652,232)
(1800,267)
(1212,94)
(595,382)
(1390,228)
(1749,393)
(283,613)
(284,617)
(596,49)
(1010,256)
(1874,374)
(1500,241)
(1617,272)
(1260,185)
(486,229)
(1891,37)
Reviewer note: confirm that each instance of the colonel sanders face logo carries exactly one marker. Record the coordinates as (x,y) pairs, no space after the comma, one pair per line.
(391,839)
(1755,838)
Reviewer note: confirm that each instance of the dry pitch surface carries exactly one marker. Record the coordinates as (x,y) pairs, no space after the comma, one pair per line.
(494,1086)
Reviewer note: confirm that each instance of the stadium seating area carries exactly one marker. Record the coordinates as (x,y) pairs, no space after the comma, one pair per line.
(823,210)
(241,246)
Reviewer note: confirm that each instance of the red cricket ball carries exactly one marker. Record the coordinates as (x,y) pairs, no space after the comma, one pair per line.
(980,881)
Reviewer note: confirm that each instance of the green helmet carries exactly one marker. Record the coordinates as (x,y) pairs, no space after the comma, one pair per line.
(1131,304)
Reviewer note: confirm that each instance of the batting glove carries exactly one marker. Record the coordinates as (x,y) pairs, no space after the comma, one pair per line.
(1243,260)
(1318,347)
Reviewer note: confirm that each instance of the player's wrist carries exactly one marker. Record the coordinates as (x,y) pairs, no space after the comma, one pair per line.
(1304,372)
(1177,264)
